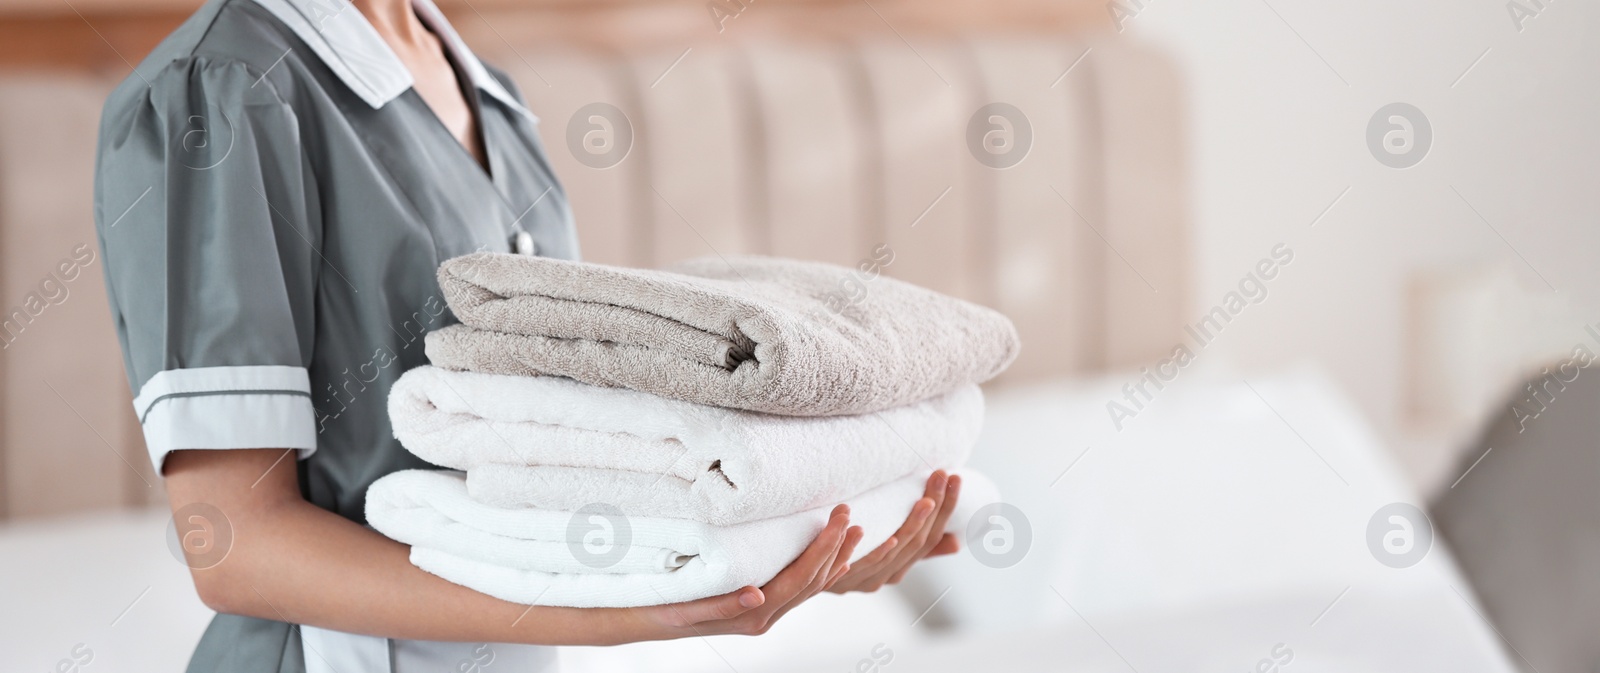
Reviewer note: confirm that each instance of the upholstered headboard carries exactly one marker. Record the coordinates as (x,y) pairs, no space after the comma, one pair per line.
(837,149)
(829,150)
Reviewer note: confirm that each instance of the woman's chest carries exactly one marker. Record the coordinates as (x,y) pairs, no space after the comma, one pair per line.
(397,186)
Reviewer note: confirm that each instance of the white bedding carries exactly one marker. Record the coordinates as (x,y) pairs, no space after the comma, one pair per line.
(1222,489)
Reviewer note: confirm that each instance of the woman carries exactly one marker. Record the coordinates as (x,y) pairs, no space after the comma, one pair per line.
(276,185)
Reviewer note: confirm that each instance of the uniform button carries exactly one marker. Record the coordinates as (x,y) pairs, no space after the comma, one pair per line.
(523,244)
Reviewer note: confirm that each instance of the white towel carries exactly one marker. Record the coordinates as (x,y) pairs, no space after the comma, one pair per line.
(538,557)
(558,444)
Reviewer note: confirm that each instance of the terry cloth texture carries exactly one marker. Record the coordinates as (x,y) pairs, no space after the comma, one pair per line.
(763,334)
(602,557)
(555,443)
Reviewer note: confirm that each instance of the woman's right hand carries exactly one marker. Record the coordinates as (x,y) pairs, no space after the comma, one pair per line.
(751,611)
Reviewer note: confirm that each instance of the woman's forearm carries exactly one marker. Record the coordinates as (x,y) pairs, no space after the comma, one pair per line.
(294,562)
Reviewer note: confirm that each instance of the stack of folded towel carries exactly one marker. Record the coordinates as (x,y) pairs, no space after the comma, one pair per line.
(633,437)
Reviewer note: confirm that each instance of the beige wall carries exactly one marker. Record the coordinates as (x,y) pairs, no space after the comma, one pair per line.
(1276,136)
(67,437)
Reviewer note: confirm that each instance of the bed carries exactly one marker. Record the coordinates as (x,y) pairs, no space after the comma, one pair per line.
(1206,537)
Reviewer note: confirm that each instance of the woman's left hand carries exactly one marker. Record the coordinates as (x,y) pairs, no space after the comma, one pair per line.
(921,536)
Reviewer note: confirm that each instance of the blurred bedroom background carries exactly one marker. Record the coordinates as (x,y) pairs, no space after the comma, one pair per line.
(1308,294)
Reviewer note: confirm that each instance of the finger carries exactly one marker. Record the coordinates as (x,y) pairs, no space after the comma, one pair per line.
(952,495)
(828,568)
(821,581)
(852,539)
(850,575)
(841,563)
(715,608)
(817,556)
(935,533)
(817,583)
(825,573)
(949,544)
(911,534)
(877,556)
(916,538)
(833,580)
(793,584)
(810,588)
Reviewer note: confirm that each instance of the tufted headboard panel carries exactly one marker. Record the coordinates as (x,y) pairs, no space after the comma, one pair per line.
(851,150)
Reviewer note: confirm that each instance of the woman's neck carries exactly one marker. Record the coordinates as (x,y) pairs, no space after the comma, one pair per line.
(394,20)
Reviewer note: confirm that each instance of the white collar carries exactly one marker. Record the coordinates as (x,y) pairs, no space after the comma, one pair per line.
(352,48)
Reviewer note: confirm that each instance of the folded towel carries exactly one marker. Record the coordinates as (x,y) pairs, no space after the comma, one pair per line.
(555,443)
(764,334)
(595,558)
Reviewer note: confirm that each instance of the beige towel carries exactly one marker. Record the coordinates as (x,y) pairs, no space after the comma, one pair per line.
(757,333)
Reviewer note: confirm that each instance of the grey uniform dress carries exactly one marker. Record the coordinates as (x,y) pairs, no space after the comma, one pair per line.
(272,199)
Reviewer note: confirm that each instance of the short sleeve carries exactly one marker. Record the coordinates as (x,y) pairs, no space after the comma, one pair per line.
(204,208)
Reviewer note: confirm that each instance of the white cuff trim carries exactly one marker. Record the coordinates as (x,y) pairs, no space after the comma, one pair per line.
(260,407)
(329,651)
